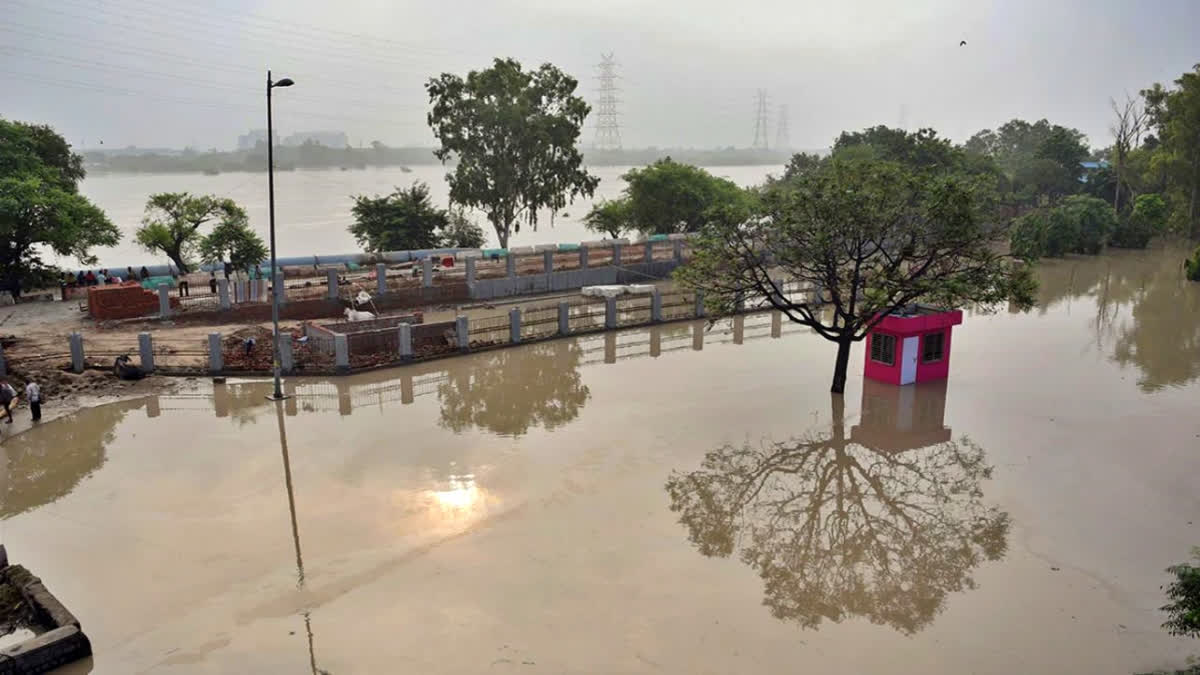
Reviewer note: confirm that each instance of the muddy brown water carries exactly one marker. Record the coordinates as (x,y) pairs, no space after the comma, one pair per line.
(671,500)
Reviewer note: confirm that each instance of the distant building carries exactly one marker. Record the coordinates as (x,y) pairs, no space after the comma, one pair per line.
(251,139)
(330,139)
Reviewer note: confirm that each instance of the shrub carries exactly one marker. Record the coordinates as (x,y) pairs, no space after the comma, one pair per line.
(1183,609)
(1147,219)
(1192,265)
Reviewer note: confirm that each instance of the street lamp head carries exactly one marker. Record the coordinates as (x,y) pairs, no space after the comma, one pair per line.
(285,82)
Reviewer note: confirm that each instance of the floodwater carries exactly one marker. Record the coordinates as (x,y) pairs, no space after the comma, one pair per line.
(312,207)
(668,500)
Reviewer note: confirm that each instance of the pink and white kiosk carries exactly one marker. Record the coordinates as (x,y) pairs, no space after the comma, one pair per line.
(911,345)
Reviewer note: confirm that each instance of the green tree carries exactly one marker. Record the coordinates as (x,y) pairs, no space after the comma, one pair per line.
(1147,219)
(461,231)
(513,133)
(1090,219)
(872,236)
(405,220)
(40,207)
(610,217)
(233,240)
(668,197)
(1184,595)
(800,164)
(1028,235)
(172,223)
(1041,159)
(921,149)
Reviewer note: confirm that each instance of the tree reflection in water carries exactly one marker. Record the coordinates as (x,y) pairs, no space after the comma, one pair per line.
(840,528)
(510,390)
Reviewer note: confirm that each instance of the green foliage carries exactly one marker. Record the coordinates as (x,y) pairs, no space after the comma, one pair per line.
(1080,224)
(233,240)
(1192,265)
(1175,162)
(1041,159)
(1147,220)
(405,220)
(921,149)
(1090,219)
(171,224)
(800,164)
(874,235)
(1183,609)
(668,197)
(40,207)
(513,133)
(461,231)
(610,217)
(1027,236)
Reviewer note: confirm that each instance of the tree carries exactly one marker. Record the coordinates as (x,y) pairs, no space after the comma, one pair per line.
(1091,220)
(461,231)
(839,526)
(1184,595)
(610,216)
(513,134)
(668,197)
(921,149)
(872,236)
(233,240)
(1174,114)
(402,221)
(40,207)
(1129,120)
(800,164)
(1147,219)
(1080,224)
(1041,159)
(173,220)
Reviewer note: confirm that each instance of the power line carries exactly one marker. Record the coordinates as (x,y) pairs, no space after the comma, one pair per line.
(608,129)
(761,121)
(782,142)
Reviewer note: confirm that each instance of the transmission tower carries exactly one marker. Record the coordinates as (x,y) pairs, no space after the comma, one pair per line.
(760,121)
(608,129)
(782,142)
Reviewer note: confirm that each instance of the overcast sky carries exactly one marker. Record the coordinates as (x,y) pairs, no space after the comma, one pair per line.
(174,73)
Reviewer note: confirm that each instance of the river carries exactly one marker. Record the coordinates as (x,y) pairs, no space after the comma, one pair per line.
(679,499)
(312,207)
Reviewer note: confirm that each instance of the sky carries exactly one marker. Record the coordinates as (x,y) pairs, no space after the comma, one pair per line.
(172,73)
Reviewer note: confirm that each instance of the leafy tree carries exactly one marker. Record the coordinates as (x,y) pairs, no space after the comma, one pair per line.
(1184,596)
(872,236)
(1090,219)
(461,231)
(173,220)
(1175,114)
(1040,158)
(800,164)
(921,149)
(1028,235)
(513,134)
(405,220)
(610,217)
(233,240)
(1148,218)
(40,207)
(668,197)
(1080,224)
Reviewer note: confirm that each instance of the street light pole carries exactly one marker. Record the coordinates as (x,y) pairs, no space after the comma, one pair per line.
(276,288)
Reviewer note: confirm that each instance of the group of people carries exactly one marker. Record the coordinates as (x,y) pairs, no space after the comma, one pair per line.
(101,277)
(8,396)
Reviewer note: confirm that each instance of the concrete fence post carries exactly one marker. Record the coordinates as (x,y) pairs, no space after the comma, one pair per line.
(514,325)
(510,262)
(216,362)
(427,271)
(699,305)
(406,346)
(146,351)
(678,246)
(776,324)
(223,293)
(77,363)
(280,288)
(164,300)
(341,353)
(564,318)
(649,251)
(237,292)
(698,336)
(610,313)
(470,271)
(255,293)
(381,279)
(331,280)
(655,342)
(610,347)
(616,256)
(286,361)
(548,261)
(656,306)
(463,332)
(583,257)
(739,329)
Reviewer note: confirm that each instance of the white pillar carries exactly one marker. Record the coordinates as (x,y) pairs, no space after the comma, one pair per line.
(77,361)
(341,353)
(463,332)
(514,325)
(146,351)
(164,301)
(216,362)
(427,271)
(381,279)
(406,347)
(223,292)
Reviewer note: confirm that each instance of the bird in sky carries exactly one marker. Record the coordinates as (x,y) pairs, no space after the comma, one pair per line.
(962,44)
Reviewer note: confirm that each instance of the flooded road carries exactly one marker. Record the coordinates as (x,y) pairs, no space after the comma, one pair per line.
(673,500)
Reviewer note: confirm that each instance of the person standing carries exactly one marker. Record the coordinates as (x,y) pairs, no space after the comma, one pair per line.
(33,393)
(7,396)
(130,275)
(212,282)
(145,273)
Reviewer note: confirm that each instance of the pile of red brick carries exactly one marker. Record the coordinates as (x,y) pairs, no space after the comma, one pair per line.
(123,301)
